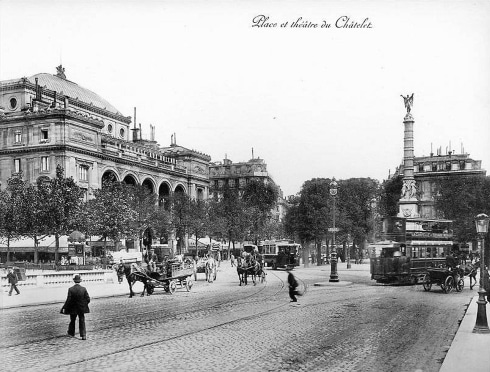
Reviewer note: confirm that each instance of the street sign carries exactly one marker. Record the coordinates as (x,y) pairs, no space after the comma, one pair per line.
(333,229)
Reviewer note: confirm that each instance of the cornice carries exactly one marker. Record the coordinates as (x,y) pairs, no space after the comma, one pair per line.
(27,85)
(102,156)
(60,113)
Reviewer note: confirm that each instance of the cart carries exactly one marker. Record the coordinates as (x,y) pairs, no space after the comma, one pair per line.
(445,278)
(200,267)
(173,273)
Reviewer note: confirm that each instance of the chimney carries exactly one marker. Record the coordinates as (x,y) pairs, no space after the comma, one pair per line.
(38,95)
(54,101)
(134,120)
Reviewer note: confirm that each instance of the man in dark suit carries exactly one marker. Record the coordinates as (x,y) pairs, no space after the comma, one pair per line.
(76,304)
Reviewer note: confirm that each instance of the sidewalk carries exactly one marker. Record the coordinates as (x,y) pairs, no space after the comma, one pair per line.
(32,295)
(468,351)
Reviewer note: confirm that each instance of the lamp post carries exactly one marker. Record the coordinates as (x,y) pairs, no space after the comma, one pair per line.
(373,211)
(481,325)
(348,251)
(334,277)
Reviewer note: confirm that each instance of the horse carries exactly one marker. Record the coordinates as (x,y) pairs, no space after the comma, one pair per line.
(255,270)
(470,270)
(210,269)
(133,274)
(241,268)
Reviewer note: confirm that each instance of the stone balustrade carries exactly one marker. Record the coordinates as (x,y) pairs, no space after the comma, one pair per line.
(57,278)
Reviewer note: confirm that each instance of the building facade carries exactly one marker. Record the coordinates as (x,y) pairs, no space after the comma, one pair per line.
(47,120)
(428,169)
(237,175)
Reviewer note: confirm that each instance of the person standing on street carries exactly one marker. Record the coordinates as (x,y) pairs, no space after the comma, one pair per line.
(13,282)
(76,304)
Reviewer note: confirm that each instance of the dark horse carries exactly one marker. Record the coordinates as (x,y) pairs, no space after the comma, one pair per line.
(135,273)
(248,266)
(244,267)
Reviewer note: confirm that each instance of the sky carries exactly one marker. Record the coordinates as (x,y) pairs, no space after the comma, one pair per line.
(311,101)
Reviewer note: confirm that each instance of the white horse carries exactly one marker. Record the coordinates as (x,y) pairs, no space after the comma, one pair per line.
(210,269)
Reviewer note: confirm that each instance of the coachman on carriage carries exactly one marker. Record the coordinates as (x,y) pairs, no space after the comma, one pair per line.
(165,275)
(250,263)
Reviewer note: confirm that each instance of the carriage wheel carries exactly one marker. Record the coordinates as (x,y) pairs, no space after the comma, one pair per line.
(448,284)
(188,284)
(427,283)
(172,287)
(460,285)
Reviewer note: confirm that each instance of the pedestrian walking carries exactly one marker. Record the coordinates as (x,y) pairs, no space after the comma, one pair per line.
(13,282)
(232,260)
(76,304)
(293,284)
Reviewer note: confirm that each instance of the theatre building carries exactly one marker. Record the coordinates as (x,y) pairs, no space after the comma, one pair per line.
(46,120)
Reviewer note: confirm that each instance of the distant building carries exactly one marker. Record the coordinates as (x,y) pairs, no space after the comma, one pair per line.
(46,120)
(237,175)
(428,169)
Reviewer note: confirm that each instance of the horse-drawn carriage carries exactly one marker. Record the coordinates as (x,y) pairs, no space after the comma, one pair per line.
(167,276)
(249,264)
(447,279)
(174,272)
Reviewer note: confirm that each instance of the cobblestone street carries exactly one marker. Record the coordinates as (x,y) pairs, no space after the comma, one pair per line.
(221,326)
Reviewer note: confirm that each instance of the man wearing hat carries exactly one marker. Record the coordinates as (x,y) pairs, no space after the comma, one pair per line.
(76,304)
(13,282)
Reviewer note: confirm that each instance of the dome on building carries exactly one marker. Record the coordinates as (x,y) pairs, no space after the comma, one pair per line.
(59,84)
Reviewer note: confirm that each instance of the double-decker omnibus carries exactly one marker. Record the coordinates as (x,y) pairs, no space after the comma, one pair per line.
(280,253)
(412,245)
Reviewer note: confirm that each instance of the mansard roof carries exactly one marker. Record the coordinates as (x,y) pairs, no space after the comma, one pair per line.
(74,91)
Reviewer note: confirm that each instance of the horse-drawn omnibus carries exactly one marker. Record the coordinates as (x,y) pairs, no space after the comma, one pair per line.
(412,246)
(280,253)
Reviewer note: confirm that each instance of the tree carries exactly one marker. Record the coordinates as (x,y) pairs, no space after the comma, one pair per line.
(460,199)
(199,221)
(291,219)
(144,205)
(314,213)
(10,217)
(33,206)
(112,215)
(259,199)
(355,214)
(390,195)
(181,216)
(62,199)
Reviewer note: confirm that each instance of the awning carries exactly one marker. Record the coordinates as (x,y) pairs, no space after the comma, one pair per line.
(47,244)
(431,242)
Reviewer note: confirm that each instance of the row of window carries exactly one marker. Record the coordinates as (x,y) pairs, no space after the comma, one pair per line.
(82,170)
(44,135)
(442,166)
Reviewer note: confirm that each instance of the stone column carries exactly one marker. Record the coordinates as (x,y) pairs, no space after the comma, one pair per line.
(408,205)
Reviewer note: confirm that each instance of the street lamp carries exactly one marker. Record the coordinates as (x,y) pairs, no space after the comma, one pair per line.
(373,211)
(481,325)
(348,251)
(334,277)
